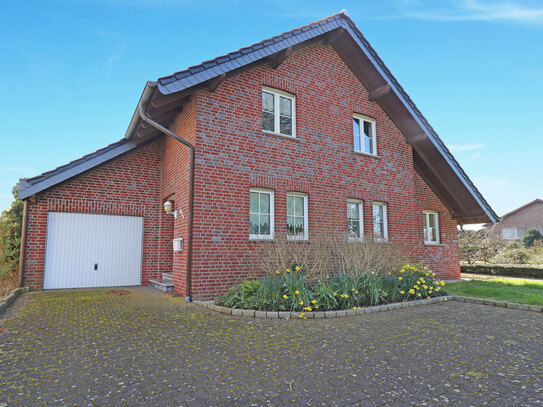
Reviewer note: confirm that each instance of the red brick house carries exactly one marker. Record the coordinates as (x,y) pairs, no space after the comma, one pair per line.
(513,225)
(303,129)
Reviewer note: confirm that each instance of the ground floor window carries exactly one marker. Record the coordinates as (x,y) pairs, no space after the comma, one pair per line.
(297,220)
(431,227)
(355,224)
(380,227)
(261,214)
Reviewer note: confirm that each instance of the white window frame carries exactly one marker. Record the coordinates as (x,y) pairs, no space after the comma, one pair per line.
(385,221)
(360,218)
(305,236)
(276,111)
(514,234)
(427,235)
(270,192)
(373,124)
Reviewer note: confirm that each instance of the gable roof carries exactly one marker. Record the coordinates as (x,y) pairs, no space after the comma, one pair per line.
(31,186)
(164,99)
(535,201)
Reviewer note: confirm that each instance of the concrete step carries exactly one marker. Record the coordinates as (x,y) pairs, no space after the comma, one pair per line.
(163,285)
(167,276)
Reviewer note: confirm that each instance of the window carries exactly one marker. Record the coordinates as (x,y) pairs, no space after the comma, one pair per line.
(364,135)
(431,227)
(355,222)
(278,112)
(297,216)
(509,233)
(261,214)
(380,228)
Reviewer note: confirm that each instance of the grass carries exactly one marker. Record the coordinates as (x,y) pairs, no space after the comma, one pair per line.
(501,289)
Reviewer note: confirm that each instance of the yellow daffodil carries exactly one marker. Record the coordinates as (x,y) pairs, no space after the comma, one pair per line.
(277,272)
(400,278)
(316,307)
(419,294)
(402,292)
(296,292)
(314,302)
(301,303)
(287,270)
(356,292)
(302,315)
(411,291)
(297,268)
(442,283)
(285,296)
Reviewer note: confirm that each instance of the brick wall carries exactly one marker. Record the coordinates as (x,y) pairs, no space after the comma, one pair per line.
(530,217)
(127,185)
(233,154)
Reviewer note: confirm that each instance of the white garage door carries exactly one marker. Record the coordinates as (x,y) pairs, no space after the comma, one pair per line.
(87,250)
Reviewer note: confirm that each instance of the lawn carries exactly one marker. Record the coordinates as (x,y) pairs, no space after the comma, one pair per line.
(500,289)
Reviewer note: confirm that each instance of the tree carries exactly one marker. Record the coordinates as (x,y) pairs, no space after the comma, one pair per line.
(11,221)
(531,236)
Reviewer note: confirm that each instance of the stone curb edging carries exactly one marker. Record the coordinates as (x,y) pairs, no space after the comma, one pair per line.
(6,302)
(364,310)
(502,304)
(320,314)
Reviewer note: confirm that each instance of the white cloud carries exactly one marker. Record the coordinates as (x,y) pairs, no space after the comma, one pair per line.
(456,148)
(477,10)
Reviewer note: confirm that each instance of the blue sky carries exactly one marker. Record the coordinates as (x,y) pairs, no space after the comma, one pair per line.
(71,73)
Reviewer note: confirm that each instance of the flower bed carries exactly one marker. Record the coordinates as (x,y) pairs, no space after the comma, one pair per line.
(292,290)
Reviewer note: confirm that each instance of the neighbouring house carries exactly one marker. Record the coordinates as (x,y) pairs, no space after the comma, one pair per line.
(513,225)
(286,136)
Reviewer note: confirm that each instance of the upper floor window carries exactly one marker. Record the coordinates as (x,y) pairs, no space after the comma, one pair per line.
(431,227)
(278,112)
(297,216)
(380,227)
(364,135)
(261,214)
(355,224)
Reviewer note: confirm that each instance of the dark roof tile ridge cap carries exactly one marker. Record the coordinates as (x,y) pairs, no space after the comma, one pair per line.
(86,157)
(276,38)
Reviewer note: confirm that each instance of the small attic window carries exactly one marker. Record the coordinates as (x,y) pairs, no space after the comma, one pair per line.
(364,135)
(278,112)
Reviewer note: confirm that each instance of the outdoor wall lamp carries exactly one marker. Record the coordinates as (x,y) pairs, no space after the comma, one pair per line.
(168,208)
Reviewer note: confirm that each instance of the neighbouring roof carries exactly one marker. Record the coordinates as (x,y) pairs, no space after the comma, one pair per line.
(163,99)
(535,201)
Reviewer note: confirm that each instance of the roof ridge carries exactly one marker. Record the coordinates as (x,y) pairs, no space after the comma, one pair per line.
(79,160)
(276,38)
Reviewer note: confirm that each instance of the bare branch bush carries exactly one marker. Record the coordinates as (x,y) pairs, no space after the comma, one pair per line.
(327,254)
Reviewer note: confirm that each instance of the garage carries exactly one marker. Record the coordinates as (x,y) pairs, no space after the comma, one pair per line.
(91,250)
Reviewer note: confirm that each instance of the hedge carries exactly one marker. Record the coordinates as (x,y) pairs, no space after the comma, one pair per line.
(511,270)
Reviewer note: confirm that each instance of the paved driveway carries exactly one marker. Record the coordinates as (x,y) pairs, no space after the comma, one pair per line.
(89,347)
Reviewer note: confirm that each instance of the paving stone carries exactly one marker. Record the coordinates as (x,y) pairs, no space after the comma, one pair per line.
(88,347)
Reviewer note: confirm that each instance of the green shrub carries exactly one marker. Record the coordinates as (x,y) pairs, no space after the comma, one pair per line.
(294,290)
(531,237)
(513,256)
